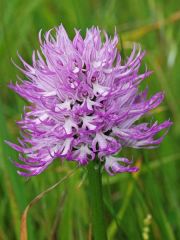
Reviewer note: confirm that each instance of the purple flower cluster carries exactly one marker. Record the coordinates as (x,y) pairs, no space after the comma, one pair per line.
(84,102)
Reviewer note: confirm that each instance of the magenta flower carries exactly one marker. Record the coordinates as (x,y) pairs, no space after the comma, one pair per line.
(84,103)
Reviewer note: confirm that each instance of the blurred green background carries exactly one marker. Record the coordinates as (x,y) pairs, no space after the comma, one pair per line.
(141,206)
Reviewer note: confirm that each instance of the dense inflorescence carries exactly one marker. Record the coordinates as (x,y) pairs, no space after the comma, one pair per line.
(84,102)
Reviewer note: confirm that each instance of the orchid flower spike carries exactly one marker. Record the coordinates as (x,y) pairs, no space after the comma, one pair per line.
(84,103)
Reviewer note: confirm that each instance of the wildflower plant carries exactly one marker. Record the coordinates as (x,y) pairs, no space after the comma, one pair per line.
(84,103)
(84,106)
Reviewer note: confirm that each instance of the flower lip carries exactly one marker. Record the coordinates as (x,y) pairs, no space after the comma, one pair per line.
(115,165)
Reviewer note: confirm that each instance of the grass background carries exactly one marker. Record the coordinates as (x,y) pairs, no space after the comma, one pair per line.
(139,206)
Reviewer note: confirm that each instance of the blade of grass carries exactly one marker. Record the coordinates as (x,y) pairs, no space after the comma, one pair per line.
(35,200)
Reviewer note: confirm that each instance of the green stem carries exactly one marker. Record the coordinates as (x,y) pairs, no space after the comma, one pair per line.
(96,200)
